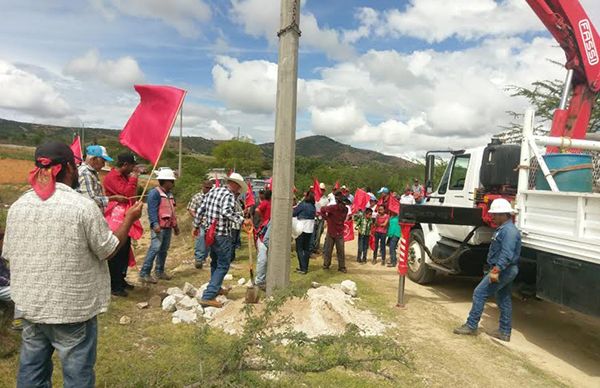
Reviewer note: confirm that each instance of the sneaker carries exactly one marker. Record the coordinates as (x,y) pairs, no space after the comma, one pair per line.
(163,276)
(211,303)
(122,293)
(147,279)
(499,335)
(129,286)
(17,324)
(343,270)
(465,330)
(374,261)
(199,264)
(301,272)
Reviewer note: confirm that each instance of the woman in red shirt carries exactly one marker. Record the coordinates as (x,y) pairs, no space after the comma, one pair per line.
(381,227)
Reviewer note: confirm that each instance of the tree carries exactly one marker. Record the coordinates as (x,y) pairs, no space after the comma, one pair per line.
(244,157)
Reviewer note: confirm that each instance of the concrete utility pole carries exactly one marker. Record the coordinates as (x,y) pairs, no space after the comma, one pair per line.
(278,267)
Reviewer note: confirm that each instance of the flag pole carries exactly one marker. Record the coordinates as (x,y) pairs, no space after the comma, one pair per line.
(180,139)
(163,146)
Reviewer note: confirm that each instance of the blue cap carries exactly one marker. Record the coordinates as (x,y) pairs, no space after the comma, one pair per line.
(98,151)
(383,190)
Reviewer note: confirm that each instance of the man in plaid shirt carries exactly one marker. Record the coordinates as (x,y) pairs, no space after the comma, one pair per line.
(218,206)
(200,251)
(89,182)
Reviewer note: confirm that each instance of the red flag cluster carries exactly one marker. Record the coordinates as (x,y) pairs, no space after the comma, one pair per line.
(317,190)
(361,200)
(76,148)
(250,201)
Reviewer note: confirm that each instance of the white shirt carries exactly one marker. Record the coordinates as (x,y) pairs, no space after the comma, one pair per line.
(331,199)
(407,199)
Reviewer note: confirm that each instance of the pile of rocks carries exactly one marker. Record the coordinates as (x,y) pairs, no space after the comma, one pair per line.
(184,304)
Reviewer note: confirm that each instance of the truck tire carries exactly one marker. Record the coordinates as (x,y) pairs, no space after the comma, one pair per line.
(418,271)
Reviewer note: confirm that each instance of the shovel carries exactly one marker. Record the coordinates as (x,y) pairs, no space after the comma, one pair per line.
(252,295)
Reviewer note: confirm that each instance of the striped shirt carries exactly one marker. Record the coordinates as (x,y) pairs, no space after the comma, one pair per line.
(90,187)
(219,205)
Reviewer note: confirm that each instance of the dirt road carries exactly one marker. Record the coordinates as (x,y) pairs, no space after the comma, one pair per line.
(559,341)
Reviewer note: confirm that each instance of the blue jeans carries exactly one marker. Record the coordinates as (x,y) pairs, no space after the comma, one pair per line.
(200,251)
(261,263)
(315,239)
(363,247)
(379,246)
(220,253)
(303,250)
(159,245)
(393,245)
(502,290)
(76,347)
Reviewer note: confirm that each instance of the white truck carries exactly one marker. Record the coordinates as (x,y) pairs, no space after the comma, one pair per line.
(560,230)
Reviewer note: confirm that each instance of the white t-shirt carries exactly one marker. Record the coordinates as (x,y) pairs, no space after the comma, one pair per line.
(407,199)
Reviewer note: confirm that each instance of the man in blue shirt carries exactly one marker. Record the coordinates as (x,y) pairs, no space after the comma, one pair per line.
(503,259)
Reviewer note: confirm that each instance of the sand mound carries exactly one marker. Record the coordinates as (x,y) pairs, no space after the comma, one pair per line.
(324,311)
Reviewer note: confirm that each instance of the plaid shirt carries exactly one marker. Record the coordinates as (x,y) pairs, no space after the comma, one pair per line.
(219,204)
(363,223)
(195,202)
(89,186)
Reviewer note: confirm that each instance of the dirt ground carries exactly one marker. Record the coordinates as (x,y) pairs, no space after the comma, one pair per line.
(559,341)
(14,171)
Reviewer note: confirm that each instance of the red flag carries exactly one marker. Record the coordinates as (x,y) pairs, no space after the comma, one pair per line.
(317,190)
(250,196)
(349,230)
(394,205)
(372,242)
(76,148)
(149,126)
(361,199)
(217,181)
(270,184)
(337,186)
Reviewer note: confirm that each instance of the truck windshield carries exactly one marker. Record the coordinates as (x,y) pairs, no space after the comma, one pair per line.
(459,172)
(444,182)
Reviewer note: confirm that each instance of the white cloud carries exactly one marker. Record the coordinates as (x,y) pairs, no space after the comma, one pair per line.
(25,92)
(218,131)
(122,72)
(438,20)
(183,15)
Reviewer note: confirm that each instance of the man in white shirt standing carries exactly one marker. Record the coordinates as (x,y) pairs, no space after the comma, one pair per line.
(407,198)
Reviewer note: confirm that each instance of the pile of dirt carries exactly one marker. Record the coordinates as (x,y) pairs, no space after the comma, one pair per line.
(324,311)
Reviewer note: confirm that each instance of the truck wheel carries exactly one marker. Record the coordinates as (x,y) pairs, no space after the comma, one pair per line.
(418,271)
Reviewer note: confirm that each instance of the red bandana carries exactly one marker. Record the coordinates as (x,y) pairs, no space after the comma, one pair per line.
(43,178)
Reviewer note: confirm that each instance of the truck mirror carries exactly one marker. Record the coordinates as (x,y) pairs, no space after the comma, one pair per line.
(429,172)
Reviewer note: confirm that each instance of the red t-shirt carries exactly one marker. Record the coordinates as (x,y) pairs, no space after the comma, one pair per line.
(381,224)
(335,216)
(265,211)
(116,183)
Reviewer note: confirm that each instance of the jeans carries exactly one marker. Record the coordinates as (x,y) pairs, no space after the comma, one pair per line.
(379,246)
(502,290)
(261,263)
(315,241)
(159,245)
(363,247)
(220,254)
(303,250)
(118,266)
(76,347)
(200,251)
(393,245)
(339,250)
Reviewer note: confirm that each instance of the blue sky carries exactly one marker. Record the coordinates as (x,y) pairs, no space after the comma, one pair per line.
(394,76)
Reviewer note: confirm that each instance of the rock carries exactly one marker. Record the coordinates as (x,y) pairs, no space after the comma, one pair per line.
(223,299)
(178,297)
(175,321)
(186,316)
(155,301)
(200,310)
(189,290)
(228,277)
(175,291)
(125,320)
(186,303)
(315,285)
(241,281)
(336,286)
(169,304)
(209,312)
(142,305)
(201,291)
(349,288)
(162,295)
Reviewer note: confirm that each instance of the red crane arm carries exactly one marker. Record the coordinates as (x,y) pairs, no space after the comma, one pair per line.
(568,22)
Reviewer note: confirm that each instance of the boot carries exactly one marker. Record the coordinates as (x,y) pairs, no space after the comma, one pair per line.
(465,330)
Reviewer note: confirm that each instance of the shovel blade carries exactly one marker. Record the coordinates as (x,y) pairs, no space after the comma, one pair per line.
(252,295)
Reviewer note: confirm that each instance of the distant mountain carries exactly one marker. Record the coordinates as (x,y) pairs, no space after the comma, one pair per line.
(320,147)
(325,148)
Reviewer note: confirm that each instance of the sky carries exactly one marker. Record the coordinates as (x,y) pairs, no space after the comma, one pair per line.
(399,77)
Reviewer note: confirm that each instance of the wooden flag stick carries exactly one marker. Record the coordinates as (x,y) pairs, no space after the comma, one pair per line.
(163,146)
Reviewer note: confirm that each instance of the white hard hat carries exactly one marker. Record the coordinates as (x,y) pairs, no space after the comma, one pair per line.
(501,205)
(237,178)
(322,186)
(165,174)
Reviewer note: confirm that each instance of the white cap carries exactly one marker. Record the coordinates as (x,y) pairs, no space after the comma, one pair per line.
(322,186)
(500,206)
(165,174)
(237,178)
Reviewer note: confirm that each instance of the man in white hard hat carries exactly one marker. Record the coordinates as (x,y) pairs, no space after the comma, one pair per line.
(502,262)
(218,211)
(163,223)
